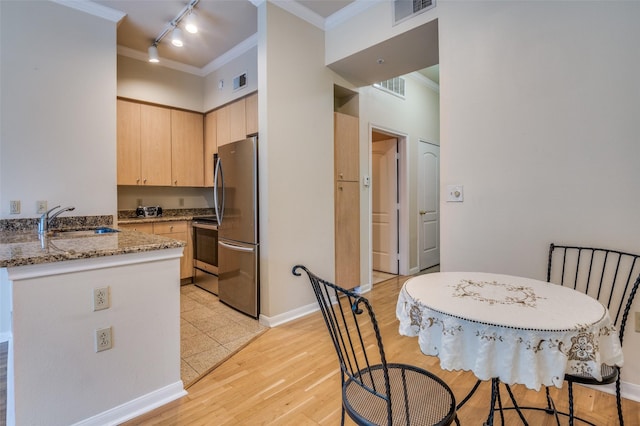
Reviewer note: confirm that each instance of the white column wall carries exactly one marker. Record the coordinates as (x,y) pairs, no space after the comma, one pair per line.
(58,109)
(295,159)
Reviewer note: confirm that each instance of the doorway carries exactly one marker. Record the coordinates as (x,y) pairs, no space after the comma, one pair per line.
(385,205)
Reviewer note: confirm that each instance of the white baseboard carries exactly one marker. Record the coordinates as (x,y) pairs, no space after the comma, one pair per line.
(137,407)
(280,319)
(627,390)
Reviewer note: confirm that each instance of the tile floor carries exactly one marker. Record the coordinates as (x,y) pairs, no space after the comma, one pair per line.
(210,332)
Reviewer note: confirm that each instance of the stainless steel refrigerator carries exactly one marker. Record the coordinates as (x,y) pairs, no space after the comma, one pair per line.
(236,205)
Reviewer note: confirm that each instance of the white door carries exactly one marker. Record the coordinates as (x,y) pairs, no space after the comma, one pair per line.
(429,204)
(384,190)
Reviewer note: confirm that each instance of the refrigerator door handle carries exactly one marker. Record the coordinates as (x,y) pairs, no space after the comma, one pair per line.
(236,248)
(218,206)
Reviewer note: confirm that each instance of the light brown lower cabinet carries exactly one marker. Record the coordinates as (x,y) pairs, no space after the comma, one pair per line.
(347,233)
(178,230)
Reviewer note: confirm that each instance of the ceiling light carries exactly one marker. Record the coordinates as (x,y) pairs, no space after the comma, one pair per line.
(176,37)
(190,23)
(172,27)
(153,54)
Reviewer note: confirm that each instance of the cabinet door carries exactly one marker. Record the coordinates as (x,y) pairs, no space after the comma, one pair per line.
(237,121)
(210,145)
(140,227)
(347,234)
(128,129)
(222,126)
(177,230)
(187,166)
(155,143)
(346,147)
(251,114)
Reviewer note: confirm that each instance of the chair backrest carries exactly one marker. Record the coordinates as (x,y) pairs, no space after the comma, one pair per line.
(610,276)
(356,337)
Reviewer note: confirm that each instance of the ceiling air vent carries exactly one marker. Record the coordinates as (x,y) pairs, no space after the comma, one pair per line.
(404,9)
(394,86)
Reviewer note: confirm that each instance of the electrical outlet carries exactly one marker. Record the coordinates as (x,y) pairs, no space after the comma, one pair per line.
(101,298)
(41,207)
(181,202)
(14,207)
(103,339)
(638,322)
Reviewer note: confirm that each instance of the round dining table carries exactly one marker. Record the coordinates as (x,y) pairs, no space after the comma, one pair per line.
(515,329)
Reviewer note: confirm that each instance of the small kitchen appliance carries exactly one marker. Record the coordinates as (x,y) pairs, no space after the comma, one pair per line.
(149,211)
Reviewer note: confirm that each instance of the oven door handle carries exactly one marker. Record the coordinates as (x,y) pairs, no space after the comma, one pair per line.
(236,248)
(205,226)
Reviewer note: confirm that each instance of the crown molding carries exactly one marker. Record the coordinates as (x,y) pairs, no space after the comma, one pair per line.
(167,63)
(231,54)
(348,12)
(425,81)
(94,9)
(301,12)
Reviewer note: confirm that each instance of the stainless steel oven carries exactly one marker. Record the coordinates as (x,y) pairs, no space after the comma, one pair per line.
(205,254)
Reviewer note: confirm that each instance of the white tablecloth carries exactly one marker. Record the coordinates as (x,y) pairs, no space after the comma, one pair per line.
(516,329)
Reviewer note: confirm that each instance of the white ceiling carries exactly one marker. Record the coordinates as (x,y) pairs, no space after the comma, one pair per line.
(223,25)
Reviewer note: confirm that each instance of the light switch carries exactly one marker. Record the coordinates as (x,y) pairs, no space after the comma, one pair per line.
(455,193)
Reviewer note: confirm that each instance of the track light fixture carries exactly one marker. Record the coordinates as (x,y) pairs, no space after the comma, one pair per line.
(153,54)
(176,37)
(190,23)
(176,33)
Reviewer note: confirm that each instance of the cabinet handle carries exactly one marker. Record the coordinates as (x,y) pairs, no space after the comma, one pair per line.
(138,181)
(175,182)
(341,176)
(144,180)
(171,228)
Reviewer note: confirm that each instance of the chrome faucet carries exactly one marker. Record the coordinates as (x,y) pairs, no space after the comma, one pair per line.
(45,220)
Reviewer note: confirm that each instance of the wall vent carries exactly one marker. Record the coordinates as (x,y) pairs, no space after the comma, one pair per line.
(405,9)
(239,81)
(394,86)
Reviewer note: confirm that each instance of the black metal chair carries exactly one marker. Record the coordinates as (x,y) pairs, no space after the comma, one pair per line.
(610,276)
(375,392)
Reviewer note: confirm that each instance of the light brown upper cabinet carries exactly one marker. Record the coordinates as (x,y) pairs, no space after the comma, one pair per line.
(144,144)
(231,124)
(187,148)
(210,145)
(346,152)
(251,113)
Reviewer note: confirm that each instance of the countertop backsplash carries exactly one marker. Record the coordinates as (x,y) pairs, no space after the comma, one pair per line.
(60,222)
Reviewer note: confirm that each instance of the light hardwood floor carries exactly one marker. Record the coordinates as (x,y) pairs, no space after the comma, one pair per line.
(289,376)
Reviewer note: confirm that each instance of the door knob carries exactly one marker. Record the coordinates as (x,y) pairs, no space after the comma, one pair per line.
(422,212)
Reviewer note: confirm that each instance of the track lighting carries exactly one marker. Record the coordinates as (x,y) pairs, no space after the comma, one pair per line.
(153,54)
(176,37)
(176,33)
(190,23)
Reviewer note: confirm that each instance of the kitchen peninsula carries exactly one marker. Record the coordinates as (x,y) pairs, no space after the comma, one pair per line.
(64,288)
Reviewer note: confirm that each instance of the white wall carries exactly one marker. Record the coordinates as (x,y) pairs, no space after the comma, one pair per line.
(58,110)
(58,378)
(539,122)
(144,81)
(295,158)
(215,97)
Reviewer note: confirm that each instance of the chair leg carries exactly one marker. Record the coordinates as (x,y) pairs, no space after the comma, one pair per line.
(570,403)
(342,417)
(619,400)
